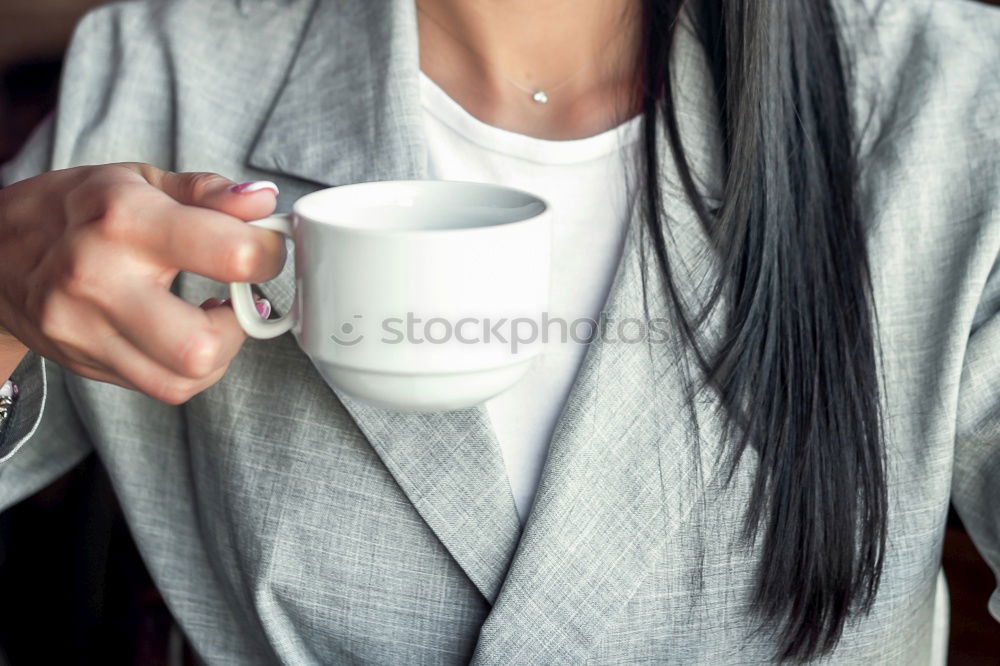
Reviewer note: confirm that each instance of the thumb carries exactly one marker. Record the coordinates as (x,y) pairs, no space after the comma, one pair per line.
(248,201)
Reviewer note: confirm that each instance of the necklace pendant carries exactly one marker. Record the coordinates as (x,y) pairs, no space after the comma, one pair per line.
(540,97)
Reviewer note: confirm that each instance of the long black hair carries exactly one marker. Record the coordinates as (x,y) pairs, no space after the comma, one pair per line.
(797,366)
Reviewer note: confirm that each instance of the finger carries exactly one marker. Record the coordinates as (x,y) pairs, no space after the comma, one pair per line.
(181,235)
(85,364)
(206,242)
(184,339)
(112,359)
(101,376)
(247,201)
(149,377)
(84,358)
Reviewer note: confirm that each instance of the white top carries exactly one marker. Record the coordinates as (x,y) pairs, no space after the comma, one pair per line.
(584,182)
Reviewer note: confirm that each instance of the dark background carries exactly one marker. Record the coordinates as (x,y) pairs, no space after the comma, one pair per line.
(74,588)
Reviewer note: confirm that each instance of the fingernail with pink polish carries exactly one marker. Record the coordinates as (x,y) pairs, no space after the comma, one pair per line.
(254,186)
(263,308)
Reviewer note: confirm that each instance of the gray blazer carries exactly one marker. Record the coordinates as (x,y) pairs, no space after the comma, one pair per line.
(284,522)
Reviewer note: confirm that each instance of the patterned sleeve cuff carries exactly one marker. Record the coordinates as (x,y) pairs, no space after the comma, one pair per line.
(8,396)
(25,411)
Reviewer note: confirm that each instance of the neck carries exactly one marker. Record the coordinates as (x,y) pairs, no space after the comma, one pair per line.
(491,55)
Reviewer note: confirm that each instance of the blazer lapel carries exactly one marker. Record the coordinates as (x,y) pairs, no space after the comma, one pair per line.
(625,469)
(349,109)
(350,112)
(450,466)
(632,456)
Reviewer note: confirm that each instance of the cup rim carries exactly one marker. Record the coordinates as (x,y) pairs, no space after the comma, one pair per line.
(423,183)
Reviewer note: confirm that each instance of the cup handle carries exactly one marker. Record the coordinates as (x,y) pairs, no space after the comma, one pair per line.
(241,295)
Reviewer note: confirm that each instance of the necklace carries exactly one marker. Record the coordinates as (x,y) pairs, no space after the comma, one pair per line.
(538,95)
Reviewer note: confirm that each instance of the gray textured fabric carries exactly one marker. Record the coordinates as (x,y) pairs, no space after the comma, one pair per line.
(286,523)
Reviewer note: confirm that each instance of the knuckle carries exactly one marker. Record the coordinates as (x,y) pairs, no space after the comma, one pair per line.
(174,390)
(53,320)
(80,273)
(209,381)
(243,258)
(201,185)
(88,198)
(146,171)
(202,354)
(116,219)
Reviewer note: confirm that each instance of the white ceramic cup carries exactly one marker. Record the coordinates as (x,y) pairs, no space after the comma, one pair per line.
(414,295)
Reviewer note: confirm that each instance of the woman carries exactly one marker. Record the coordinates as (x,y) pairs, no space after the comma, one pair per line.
(808,190)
